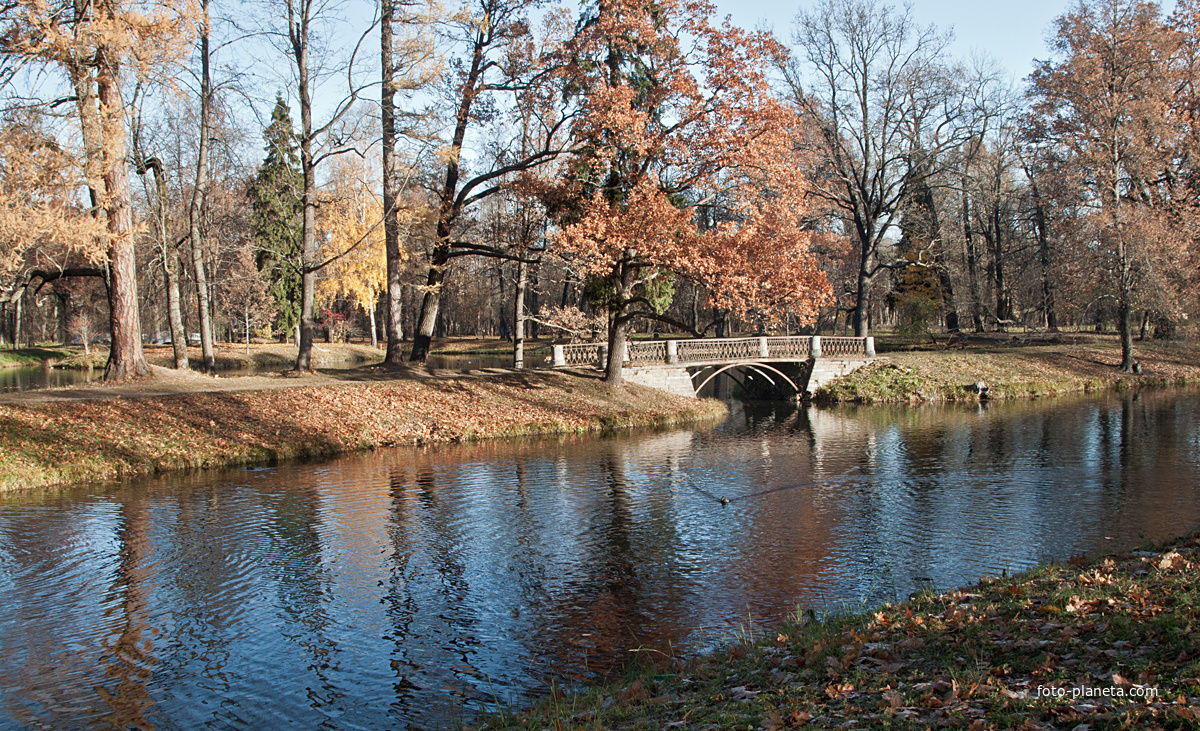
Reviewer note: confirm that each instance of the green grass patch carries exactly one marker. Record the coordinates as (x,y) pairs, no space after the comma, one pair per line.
(81,361)
(24,357)
(1016,371)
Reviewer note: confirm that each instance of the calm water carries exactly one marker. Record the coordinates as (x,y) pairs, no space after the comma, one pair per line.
(410,588)
(30,379)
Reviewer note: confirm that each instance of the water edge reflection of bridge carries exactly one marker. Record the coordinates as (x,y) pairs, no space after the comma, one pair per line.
(801,363)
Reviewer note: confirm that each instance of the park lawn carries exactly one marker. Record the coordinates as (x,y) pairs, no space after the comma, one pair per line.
(25,357)
(1076,646)
(65,441)
(1013,371)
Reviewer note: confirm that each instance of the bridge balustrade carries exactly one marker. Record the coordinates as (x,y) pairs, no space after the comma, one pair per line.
(707,350)
(843,347)
(641,352)
(718,350)
(799,348)
(579,354)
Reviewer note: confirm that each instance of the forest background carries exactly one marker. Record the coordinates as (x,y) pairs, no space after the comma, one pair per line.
(292,169)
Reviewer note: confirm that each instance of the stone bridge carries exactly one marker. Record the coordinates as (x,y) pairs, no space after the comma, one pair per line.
(795,365)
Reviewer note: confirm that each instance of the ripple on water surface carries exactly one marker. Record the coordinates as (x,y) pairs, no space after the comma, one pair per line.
(413,587)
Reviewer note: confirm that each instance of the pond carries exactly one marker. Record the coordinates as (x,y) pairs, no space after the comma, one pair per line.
(38,377)
(414,587)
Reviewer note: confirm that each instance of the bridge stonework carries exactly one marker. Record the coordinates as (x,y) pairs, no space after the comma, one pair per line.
(801,363)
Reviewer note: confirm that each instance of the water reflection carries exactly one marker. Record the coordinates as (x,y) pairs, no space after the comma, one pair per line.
(415,586)
(31,379)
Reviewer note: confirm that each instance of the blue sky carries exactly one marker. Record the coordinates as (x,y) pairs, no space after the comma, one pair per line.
(1011,31)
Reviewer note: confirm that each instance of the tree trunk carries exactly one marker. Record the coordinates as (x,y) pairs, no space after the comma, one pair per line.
(374,332)
(862,302)
(18,310)
(618,330)
(308,249)
(1124,273)
(195,210)
(125,357)
(427,323)
(170,262)
(448,210)
(1003,304)
(391,223)
(1044,260)
(618,336)
(175,310)
(519,315)
(970,255)
(1124,329)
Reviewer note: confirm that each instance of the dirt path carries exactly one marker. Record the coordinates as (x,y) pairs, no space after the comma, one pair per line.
(167,381)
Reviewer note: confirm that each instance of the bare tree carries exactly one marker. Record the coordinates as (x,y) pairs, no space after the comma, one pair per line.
(498,56)
(310,26)
(1103,101)
(199,189)
(887,106)
(407,63)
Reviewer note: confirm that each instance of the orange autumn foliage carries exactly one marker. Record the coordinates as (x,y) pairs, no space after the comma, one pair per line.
(676,115)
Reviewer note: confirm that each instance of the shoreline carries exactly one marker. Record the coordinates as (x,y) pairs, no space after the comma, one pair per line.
(60,436)
(1105,642)
(169,423)
(1086,364)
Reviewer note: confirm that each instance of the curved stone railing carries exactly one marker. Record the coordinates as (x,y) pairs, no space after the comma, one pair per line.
(717,350)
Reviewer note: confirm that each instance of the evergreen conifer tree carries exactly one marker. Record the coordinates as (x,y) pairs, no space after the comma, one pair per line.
(276,200)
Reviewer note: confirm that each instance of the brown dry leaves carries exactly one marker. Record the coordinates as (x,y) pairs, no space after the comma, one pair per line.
(991,657)
(68,441)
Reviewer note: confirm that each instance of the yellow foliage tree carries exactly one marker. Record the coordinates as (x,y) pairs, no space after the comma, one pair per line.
(91,44)
(350,226)
(43,224)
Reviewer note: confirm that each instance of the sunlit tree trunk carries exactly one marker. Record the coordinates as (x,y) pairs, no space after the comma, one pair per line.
(371,317)
(195,210)
(391,224)
(519,315)
(125,357)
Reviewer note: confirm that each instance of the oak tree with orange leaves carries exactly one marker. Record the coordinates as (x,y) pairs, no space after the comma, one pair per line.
(677,113)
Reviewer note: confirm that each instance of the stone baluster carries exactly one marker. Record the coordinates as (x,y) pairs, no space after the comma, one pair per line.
(815,346)
(672,351)
(559,358)
(870,347)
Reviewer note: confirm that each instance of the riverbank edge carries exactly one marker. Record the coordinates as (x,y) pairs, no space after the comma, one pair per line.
(65,442)
(47,356)
(1017,372)
(1107,642)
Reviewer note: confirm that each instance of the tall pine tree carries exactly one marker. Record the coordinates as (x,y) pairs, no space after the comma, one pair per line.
(276,199)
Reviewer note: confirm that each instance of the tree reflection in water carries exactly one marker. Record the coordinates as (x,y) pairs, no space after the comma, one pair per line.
(415,586)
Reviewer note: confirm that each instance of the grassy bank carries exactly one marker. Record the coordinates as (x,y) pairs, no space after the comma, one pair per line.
(25,357)
(1110,643)
(67,441)
(1014,370)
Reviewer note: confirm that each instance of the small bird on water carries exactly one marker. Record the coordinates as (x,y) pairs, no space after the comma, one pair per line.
(724,500)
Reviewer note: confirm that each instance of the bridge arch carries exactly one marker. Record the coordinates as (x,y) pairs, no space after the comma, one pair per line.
(757,367)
